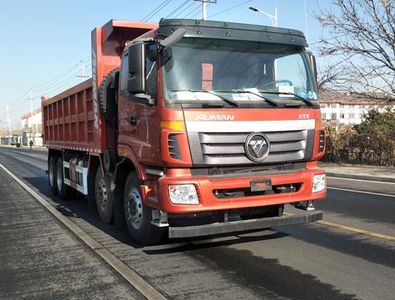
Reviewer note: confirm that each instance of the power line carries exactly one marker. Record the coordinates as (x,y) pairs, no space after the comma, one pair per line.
(230,8)
(193,12)
(178,8)
(184,10)
(60,76)
(50,87)
(156,10)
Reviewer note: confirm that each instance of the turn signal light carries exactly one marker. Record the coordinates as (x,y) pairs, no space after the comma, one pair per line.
(173,125)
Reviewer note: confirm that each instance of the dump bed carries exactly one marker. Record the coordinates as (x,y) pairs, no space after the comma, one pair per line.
(69,122)
(72,119)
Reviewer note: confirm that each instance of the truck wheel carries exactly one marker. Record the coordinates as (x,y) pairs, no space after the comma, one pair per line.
(64,191)
(52,175)
(104,198)
(138,216)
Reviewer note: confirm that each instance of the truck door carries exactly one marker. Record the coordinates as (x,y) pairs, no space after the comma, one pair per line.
(139,119)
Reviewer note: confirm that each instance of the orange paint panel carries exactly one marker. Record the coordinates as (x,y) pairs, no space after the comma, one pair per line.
(209,202)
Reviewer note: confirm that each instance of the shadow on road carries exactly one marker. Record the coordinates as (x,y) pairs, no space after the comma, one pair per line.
(266,276)
(346,243)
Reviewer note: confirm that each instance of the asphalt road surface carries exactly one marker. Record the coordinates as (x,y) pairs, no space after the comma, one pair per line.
(351,255)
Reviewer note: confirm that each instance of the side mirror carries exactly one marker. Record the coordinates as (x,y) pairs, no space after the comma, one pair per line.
(313,64)
(136,57)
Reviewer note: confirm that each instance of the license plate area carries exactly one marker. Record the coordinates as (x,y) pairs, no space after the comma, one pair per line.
(261,185)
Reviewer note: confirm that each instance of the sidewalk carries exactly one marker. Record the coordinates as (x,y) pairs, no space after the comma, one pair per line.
(40,148)
(40,259)
(359,172)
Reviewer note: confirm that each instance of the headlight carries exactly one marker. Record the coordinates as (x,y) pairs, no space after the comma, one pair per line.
(183,194)
(319,183)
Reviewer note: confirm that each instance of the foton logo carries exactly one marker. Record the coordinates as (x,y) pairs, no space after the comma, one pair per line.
(304,116)
(203,117)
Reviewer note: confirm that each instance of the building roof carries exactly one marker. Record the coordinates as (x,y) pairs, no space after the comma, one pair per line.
(28,115)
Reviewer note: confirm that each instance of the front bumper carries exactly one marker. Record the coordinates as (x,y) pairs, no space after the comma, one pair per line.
(206,187)
(242,225)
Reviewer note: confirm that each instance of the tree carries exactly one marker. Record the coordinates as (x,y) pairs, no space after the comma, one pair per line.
(359,40)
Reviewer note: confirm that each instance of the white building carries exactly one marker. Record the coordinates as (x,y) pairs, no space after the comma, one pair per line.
(348,112)
(32,128)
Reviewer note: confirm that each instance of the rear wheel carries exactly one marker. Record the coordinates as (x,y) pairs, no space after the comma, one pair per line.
(52,175)
(64,191)
(139,216)
(104,197)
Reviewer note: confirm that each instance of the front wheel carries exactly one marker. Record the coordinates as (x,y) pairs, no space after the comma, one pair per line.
(139,216)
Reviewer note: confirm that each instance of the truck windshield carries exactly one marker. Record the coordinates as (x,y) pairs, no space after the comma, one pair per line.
(200,71)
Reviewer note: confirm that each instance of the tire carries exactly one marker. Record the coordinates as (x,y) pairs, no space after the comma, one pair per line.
(91,187)
(52,175)
(106,94)
(138,216)
(104,197)
(64,191)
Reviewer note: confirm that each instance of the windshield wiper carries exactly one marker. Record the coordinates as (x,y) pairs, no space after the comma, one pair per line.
(225,99)
(270,101)
(309,103)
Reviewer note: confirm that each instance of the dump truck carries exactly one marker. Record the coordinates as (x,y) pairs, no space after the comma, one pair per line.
(191,128)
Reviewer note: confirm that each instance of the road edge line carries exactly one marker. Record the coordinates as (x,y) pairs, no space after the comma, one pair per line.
(119,266)
(362,192)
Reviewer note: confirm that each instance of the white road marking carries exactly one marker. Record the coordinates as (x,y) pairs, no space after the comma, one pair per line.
(363,180)
(362,192)
(120,267)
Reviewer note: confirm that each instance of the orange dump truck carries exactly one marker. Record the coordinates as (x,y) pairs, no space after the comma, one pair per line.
(191,128)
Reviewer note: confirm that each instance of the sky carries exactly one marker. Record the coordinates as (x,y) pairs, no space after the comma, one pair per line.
(43,43)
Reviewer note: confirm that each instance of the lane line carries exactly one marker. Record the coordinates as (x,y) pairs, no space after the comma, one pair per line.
(357,230)
(364,180)
(352,229)
(120,267)
(362,192)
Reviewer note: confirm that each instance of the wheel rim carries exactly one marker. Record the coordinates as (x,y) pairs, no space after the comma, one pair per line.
(59,178)
(134,208)
(51,173)
(101,194)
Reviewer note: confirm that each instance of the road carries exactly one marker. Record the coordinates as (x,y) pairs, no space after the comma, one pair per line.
(351,255)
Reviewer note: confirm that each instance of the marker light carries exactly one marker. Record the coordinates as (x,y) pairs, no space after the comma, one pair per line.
(183,194)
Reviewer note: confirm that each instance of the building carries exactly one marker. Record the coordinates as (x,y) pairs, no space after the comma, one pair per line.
(341,109)
(32,128)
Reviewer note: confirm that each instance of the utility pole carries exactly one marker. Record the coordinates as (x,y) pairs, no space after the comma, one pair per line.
(31,117)
(204,7)
(9,124)
(82,71)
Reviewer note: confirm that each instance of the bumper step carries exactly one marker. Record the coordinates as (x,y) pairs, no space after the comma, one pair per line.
(243,225)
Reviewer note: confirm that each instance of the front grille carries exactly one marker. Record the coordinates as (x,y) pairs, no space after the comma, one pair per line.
(229,148)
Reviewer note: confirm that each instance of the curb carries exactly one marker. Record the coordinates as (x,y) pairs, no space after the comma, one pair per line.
(363,177)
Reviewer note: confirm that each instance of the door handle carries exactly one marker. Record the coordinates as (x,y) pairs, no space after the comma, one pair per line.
(133,121)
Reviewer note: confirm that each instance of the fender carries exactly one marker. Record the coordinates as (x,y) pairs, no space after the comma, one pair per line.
(125,151)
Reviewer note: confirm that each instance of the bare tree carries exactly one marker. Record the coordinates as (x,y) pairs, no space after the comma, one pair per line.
(359,36)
